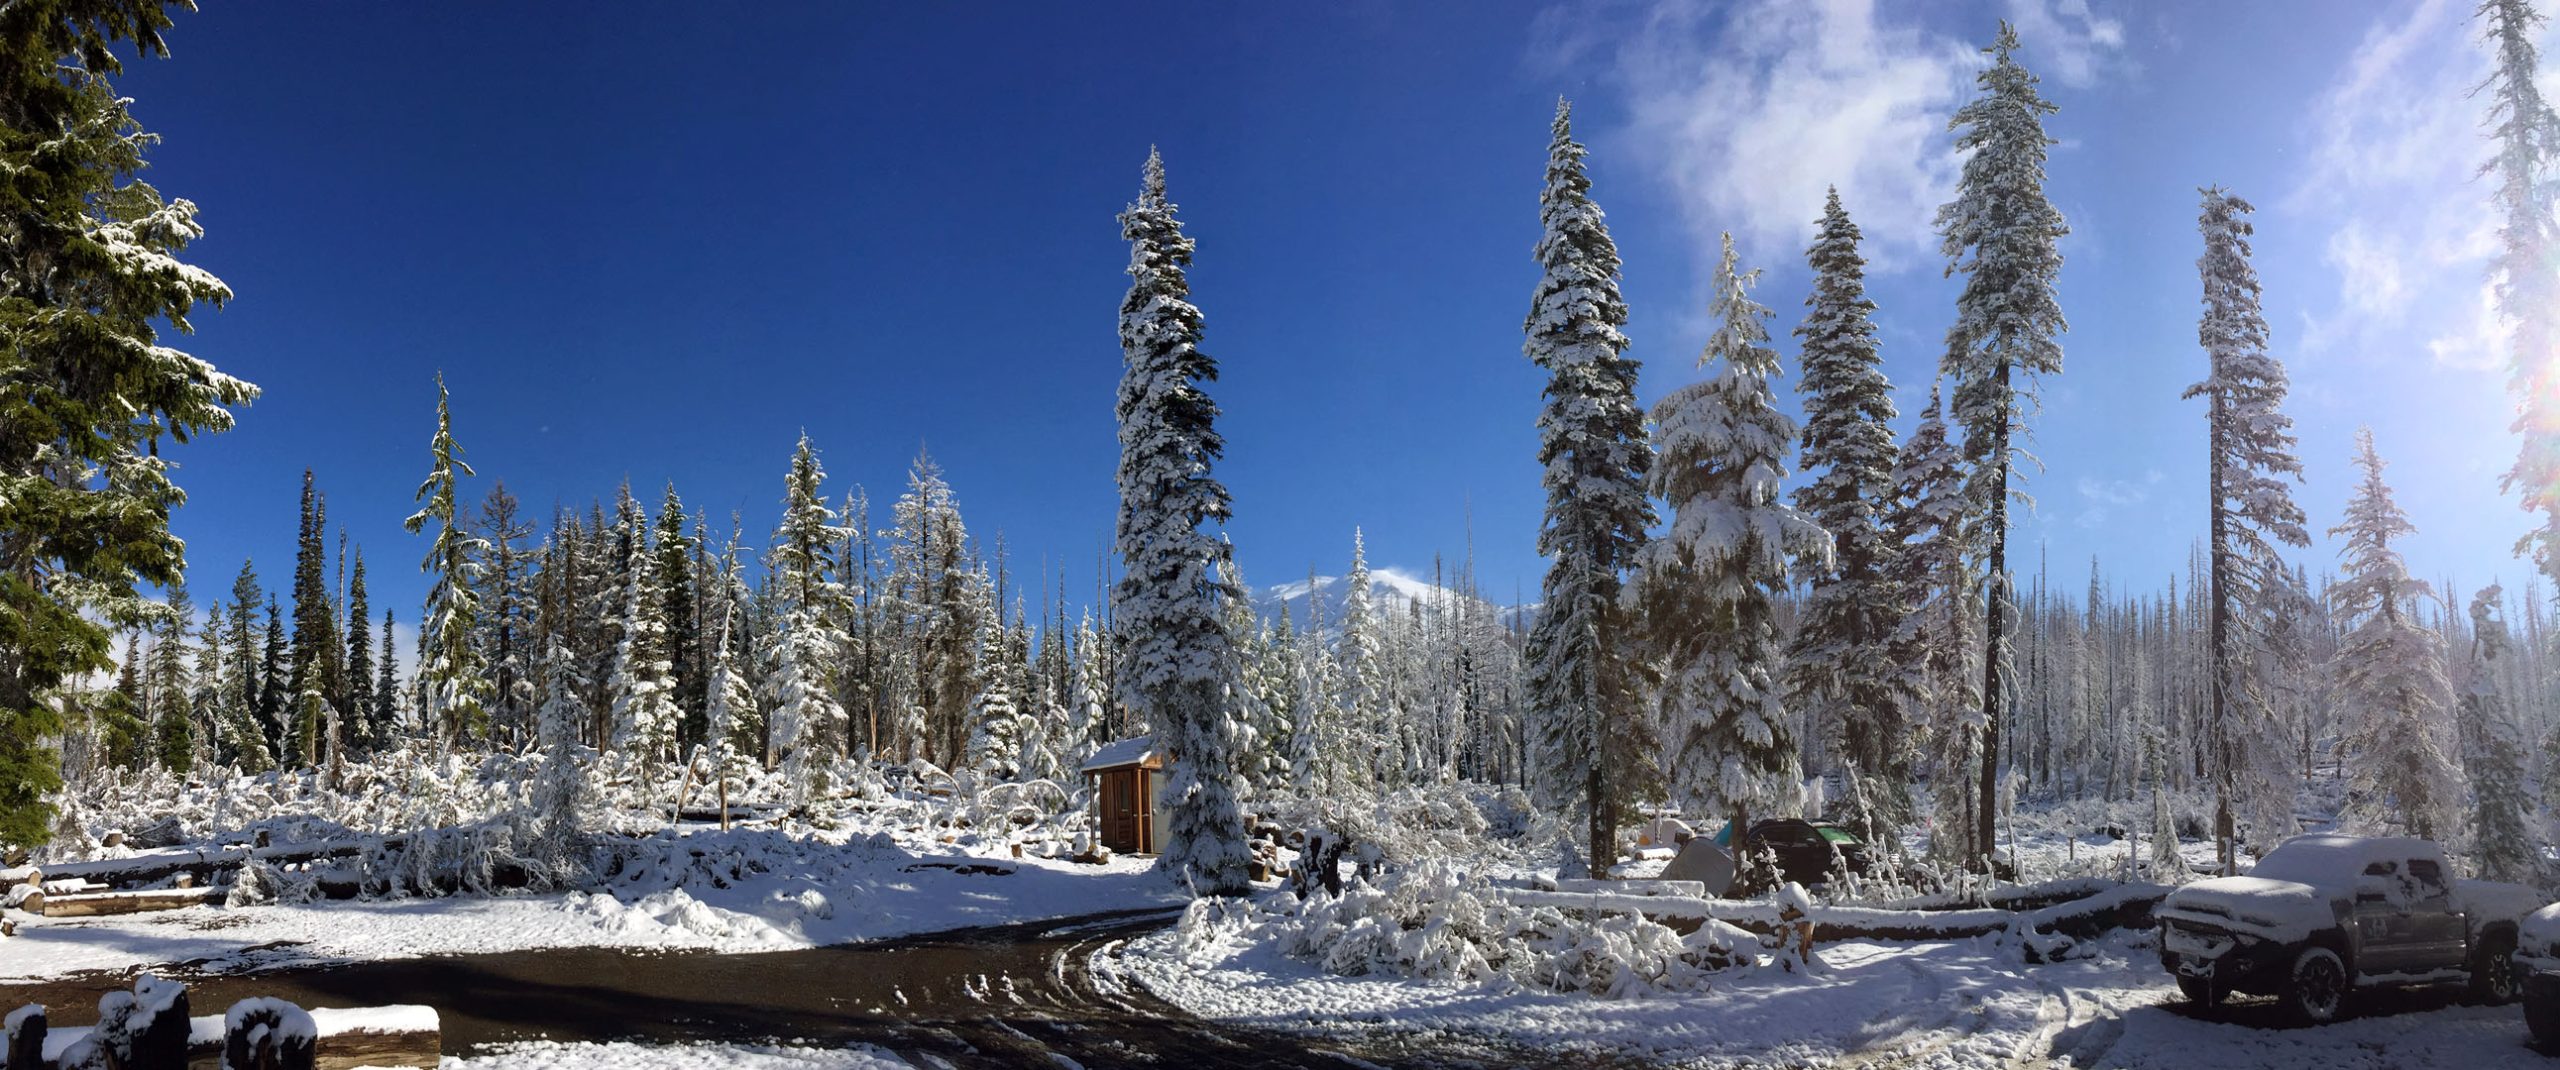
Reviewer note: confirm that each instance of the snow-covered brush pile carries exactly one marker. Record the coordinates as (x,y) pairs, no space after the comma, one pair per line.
(392,792)
(1433,821)
(1434,920)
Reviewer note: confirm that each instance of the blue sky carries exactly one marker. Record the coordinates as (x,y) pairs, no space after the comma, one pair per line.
(658,246)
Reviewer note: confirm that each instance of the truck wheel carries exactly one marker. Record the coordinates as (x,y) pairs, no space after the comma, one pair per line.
(2542,1016)
(2315,990)
(2493,973)
(2200,991)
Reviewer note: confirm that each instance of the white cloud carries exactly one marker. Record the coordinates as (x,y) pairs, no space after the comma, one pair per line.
(2101,498)
(2396,147)
(2072,44)
(1747,111)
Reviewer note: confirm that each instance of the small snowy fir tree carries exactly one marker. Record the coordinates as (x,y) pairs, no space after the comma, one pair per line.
(1001,730)
(2528,135)
(453,673)
(1708,587)
(2502,841)
(730,703)
(1177,664)
(1088,719)
(1593,744)
(2001,234)
(1356,754)
(561,792)
(1842,673)
(2249,458)
(2390,671)
(806,642)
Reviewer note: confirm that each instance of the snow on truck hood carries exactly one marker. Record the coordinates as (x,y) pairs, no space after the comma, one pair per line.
(2279,909)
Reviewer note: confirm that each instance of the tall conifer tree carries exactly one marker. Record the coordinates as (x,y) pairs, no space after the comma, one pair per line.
(453,677)
(1177,666)
(1594,744)
(2001,234)
(88,274)
(2249,457)
(1842,672)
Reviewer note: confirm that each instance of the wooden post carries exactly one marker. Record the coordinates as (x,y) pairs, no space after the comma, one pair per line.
(26,1038)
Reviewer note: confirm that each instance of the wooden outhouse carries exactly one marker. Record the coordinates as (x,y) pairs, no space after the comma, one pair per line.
(1125,777)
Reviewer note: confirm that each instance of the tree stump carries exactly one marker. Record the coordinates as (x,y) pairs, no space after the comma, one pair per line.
(268,1034)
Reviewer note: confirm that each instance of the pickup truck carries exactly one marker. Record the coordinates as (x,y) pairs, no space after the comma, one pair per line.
(2538,966)
(2324,915)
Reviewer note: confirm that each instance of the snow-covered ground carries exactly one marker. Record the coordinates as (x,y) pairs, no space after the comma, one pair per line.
(1957,1004)
(721,891)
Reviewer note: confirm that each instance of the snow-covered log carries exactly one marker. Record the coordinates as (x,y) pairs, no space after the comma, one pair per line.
(94,904)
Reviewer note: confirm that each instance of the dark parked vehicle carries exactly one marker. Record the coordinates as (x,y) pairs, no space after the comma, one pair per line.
(2538,967)
(1808,852)
(2324,915)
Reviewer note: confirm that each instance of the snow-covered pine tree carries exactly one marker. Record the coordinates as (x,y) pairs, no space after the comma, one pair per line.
(1707,589)
(1259,759)
(1085,703)
(315,640)
(1937,647)
(90,274)
(2503,845)
(999,730)
(1284,702)
(560,793)
(805,644)
(358,711)
(1593,741)
(2007,323)
(503,612)
(1355,757)
(1176,664)
(453,677)
(2528,134)
(244,737)
(272,686)
(1842,673)
(671,571)
(645,717)
(2390,672)
(386,685)
(169,683)
(729,703)
(939,604)
(2249,452)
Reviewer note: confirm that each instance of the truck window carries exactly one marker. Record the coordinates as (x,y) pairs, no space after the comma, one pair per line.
(2428,877)
(2379,869)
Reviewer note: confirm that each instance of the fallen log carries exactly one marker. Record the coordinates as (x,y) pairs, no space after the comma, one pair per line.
(98,904)
(205,864)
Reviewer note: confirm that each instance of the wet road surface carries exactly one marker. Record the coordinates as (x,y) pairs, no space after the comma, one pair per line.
(1017,995)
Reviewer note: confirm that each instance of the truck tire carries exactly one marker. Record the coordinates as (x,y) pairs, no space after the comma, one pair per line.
(2315,987)
(2493,970)
(2200,991)
(2542,1013)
